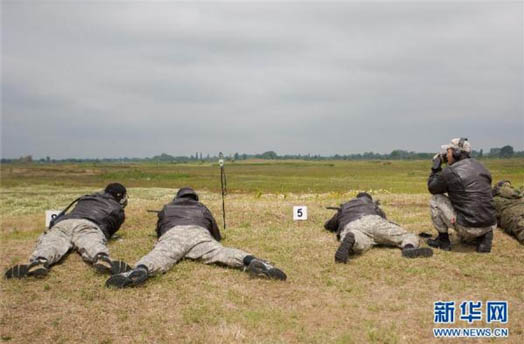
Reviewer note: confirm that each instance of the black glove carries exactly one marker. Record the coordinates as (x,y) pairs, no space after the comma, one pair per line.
(437,161)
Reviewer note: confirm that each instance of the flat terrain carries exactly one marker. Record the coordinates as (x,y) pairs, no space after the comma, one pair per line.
(379,297)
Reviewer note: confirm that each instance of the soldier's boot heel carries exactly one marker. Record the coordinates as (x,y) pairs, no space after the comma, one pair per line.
(484,245)
(410,251)
(441,241)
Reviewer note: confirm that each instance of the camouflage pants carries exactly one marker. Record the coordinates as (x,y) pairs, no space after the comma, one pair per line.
(513,224)
(372,230)
(443,217)
(192,242)
(83,235)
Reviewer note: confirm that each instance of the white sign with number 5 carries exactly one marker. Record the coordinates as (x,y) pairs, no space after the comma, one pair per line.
(299,213)
(49,215)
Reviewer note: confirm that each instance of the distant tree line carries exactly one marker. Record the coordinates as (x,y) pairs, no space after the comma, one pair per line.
(398,154)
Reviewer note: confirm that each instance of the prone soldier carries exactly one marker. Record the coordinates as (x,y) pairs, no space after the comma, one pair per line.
(86,229)
(509,204)
(187,229)
(360,224)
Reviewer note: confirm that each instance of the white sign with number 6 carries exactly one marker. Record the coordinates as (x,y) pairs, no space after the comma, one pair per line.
(49,215)
(299,213)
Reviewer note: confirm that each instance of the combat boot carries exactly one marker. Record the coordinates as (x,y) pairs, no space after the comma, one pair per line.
(128,279)
(441,241)
(37,268)
(485,241)
(409,251)
(345,248)
(260,268)
(103,264)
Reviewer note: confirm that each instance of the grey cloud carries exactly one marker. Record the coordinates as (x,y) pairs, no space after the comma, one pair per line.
(136,79)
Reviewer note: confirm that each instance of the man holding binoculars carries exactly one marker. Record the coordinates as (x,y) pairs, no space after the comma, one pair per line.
(468,207)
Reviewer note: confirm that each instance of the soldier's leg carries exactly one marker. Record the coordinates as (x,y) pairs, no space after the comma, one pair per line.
(169,249)
(50,248)
(91,244)
(387,233)
(54,244)
(518,229)
(89,240)
(352,240)
(482,237)
(443,217)
(362,242)
(211,251)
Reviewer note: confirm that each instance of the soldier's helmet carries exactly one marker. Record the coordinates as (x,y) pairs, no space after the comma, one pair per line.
(117,190)
(187,192)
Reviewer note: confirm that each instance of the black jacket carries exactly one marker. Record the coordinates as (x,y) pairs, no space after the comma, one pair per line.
(468,185)
(100,208)
(186,211)
(351,211)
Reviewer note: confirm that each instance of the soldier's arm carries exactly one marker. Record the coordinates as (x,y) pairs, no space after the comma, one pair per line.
(215,231)
(332,224)
(437,183)
(159,215)
(380,212)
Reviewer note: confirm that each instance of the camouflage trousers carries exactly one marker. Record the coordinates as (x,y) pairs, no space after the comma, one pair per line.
(444,217)
(79,234)
(192,242)
(372,230)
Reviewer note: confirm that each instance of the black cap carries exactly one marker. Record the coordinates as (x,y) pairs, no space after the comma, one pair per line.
(364,194)
(187,192)
(117,190)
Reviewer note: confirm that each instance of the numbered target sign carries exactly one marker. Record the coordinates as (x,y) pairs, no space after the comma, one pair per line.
(299,212)
(49,215)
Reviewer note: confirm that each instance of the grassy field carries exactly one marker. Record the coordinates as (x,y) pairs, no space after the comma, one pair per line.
(378,297)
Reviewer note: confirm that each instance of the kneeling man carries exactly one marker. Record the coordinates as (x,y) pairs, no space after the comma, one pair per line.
(468,207)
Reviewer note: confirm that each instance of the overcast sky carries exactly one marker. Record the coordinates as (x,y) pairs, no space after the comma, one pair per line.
(112,79)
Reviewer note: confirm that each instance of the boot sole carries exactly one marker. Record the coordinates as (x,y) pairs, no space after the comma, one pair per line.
(119,266)
(485,242)
(118,281)
(17,271)
(421,252)
(277,274)
(483,250)
(38,273)
(102,268)
(342,254)
(257,269)
(37,270)
(444,248)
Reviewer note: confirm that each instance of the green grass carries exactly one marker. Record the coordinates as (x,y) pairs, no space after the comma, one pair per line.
(378,297)
(267,177)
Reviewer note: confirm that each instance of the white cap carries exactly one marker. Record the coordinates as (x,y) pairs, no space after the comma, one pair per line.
(457,144)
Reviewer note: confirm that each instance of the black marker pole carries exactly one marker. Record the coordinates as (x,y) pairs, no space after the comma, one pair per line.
(223,185)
